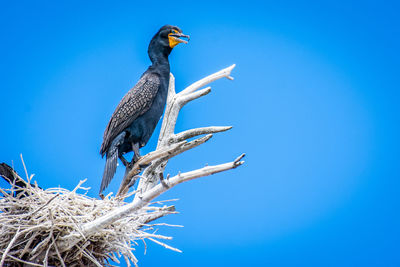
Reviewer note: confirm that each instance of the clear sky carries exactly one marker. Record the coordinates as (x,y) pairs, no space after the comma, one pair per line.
(314,105)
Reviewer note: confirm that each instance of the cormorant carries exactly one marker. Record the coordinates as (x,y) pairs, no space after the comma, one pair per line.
(139,111)
(12,177)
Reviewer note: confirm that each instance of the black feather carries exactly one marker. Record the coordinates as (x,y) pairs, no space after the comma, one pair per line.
(111,161)
(12,177)
(109,169)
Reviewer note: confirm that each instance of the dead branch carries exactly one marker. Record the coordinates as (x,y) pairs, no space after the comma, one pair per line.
(175,102)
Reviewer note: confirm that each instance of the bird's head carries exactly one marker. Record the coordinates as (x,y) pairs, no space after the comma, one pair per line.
(167,38)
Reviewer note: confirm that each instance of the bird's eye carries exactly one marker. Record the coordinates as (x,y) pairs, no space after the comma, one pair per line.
(174,31)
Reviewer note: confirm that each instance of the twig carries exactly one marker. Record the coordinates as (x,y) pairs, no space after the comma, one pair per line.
(58,252)
(47,203)
(26,262)
(91,258)
(26,171)
(3,258)
(165,245)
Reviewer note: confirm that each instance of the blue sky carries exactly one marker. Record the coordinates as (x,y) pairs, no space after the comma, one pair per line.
(314,105)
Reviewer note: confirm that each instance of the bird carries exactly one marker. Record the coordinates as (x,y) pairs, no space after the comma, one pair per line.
(136,116)
(12,177)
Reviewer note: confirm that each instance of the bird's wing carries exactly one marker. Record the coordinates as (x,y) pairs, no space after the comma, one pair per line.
(135,103)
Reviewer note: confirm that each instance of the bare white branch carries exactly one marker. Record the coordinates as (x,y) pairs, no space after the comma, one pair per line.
(183,99)
(170,114)
(174,104)
(225,73)
(198,131)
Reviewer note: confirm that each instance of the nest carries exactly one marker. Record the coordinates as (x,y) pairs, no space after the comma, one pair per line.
(34,221)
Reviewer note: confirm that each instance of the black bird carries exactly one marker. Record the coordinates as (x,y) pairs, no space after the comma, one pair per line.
(139,111)
(12,177)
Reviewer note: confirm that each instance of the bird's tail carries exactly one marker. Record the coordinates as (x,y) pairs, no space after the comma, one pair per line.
(110,168)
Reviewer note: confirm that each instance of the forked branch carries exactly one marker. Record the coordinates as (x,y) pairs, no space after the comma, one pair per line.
(175,102)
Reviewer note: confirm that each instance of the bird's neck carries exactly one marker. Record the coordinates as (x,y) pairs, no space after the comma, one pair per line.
(159,57)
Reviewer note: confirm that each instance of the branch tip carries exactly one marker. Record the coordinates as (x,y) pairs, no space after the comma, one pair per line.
(239,158)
